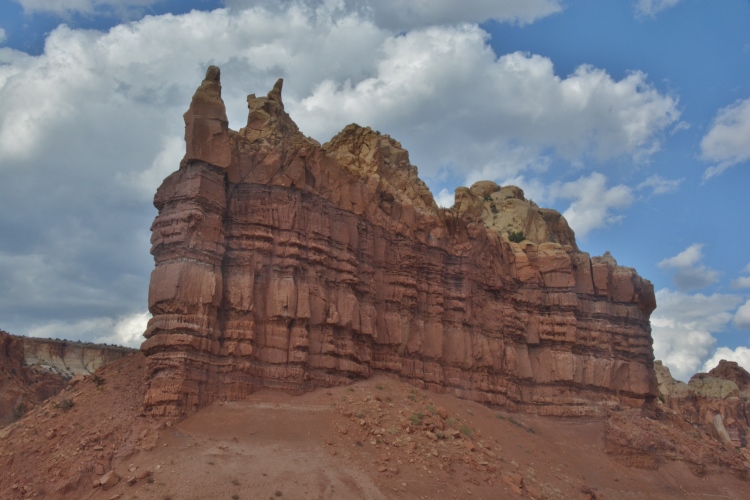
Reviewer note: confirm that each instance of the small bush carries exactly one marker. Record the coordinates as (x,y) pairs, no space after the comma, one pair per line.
(64,404)
(416,419)
(465,430)
(19,410)
(487,197)
(96,379)
(516,236)
(379,387)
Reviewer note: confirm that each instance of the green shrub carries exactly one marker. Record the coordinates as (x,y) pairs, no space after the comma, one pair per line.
(516,236)
(465,430)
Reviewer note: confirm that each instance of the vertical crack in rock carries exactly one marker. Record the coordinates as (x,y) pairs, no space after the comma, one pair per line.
(283,263)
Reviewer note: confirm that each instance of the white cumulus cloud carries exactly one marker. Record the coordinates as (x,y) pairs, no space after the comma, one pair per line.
(742,281)
(399,15)
(62,7)
(726,144)
(445,198)
(126,330)
(3,36)
(660,185)
(683,328)
(593,202)
(742,316)
(649,8)
(690,274)
(447,83)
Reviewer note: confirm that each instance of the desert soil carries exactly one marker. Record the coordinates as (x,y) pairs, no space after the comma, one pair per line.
(375,439)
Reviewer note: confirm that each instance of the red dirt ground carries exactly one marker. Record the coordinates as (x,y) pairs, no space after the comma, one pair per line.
(376,439)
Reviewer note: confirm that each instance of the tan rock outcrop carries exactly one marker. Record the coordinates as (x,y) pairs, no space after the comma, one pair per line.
(67,358)
(297,265)
(505,209)
(718,401)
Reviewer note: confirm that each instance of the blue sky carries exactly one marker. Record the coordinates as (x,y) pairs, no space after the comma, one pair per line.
(631,117)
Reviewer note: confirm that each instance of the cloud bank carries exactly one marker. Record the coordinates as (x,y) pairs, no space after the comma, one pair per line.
(89,128)
(690,274)
(683,326)
(65,7)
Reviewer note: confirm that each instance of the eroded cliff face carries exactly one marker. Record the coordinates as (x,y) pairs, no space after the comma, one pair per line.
(67,358)
(35,369)
(284,263)
(21,387)
(717,401)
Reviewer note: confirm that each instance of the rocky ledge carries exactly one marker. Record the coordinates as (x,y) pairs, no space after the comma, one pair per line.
(284,263)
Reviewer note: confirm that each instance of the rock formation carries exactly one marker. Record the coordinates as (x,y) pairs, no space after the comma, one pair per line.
(717,401)
(34,369)
(21,387)
(284,263)
(67,358)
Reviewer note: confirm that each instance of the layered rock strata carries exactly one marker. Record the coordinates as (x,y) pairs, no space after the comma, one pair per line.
(717,401)
(67,358)
(284,263)
(21,387)
(35,369)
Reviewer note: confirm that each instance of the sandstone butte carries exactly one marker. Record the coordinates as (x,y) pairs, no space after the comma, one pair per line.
(283,263)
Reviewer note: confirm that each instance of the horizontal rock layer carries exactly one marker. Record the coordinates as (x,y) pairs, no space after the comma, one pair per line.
(295,265)
(67,358)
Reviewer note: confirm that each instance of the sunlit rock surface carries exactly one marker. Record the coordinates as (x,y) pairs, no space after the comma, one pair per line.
(287,264)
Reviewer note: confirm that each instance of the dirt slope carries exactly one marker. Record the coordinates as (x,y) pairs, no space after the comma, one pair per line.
(378,439)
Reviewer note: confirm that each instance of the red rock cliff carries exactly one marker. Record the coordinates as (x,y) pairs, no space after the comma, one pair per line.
(21,386)
(284,263)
